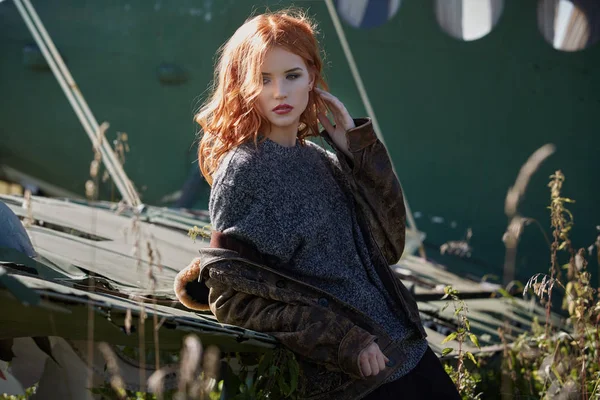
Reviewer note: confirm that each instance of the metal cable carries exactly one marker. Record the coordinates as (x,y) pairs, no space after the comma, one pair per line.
(363,94)
(78,103)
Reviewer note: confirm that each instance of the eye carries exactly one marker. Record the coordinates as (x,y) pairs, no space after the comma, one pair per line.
(266,80)
(293,76)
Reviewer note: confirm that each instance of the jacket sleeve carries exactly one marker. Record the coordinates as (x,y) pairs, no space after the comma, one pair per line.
(375,187)
(310,330)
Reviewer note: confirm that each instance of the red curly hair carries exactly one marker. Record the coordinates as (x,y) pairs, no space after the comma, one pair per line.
(229,117)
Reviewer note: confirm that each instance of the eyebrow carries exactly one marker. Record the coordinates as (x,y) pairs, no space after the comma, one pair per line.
(289,70)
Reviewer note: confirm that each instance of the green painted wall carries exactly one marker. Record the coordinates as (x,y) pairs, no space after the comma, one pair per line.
(459,118)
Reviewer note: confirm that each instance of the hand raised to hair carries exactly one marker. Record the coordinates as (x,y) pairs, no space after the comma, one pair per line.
(341,119)
(372,360)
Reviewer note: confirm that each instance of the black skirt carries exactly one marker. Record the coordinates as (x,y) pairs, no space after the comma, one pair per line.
(427,380)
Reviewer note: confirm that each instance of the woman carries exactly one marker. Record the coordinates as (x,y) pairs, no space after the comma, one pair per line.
(303,238)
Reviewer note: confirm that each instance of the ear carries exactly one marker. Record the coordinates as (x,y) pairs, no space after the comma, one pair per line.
(311,84)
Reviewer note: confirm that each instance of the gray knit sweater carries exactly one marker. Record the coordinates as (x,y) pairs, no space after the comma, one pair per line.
(287,202)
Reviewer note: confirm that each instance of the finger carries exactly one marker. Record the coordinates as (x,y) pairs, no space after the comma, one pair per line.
(331,104)
(342,121)
(374,365)
(365,367)
(329,99)
(380,361)
(328,96)
(326,123)
(335,112)
(339,112)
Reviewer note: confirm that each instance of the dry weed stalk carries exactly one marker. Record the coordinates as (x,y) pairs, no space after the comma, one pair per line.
(28,220)
(153,260)
(597,244)
(191,354)
(203,232)
(211,366)
(142,343)
(192,350)
(136,231)
(91,185)
(116,381)
(563,364)
(516,222)
(128,320)
(91,193)
(517,191)
(541,288)
(513,197)
(460,248)
(121,148)
(562,223)
(157,379)
(198,371)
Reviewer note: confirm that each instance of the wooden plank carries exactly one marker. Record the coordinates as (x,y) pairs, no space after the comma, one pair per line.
(435,277)
(82,218)
(486,316)
(70,320)
(100,222)
(90,256)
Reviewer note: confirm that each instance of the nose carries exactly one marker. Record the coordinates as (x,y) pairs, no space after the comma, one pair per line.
(280,91)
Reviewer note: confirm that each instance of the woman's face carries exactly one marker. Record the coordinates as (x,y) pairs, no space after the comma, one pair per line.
(286,87)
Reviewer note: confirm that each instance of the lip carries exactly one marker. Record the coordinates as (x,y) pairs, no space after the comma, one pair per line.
(282,109)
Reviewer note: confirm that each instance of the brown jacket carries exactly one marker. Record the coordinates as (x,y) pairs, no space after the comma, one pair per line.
(326,333)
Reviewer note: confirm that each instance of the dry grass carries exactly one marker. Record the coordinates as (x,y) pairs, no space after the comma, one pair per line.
(513,197)
(547,362)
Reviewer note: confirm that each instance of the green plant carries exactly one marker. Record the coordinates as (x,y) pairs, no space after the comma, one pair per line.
(107,393)
(547,362)
(465,381)
(274,376)
(28,393)
(203,232)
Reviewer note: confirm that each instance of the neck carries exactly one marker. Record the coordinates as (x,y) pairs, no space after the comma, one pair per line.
(284,137)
